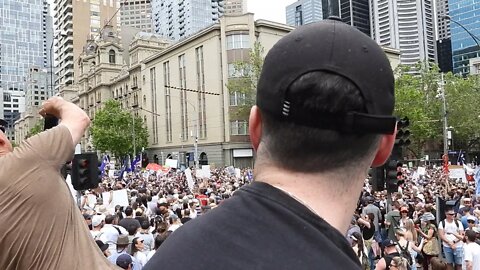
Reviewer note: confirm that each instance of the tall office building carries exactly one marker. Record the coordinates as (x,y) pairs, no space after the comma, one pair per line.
(137,14)
(235,7)
(308,11)
(24,36)
(179,19)
(464,47)
(356,13)
(76,22)
(405,25)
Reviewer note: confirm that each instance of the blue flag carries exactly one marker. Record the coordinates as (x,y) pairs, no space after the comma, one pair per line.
(461,158)
(105,161)
(124,168)
(134,162)
(476,176)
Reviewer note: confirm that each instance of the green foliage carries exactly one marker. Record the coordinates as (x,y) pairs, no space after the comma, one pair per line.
(418,97)
(245,79)
(35,129)
(112,130)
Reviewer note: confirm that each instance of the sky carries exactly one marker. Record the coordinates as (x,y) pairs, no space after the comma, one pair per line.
(273,10)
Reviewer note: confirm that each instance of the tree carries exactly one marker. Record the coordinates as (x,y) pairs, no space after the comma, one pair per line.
(112,130)
(35,129)
(244,79)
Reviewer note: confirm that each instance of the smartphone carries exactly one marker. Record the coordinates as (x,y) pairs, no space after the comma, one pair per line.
(50,122)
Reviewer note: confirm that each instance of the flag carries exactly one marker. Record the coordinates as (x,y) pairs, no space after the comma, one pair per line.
(124,168)
(135,161)
(476,176)
(105,161)
(128,168)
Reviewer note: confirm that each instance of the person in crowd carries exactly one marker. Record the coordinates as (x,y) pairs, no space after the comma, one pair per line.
(390,251)
(471,257)
(409,246)
(451,233)
(158,242)
(392,220)
(103,247)
(147,237)
(122,245)
(399,263)
(318,104)
(110,233)
(124,261)
(368,231)
(31,182)
(129,222)
(137,251)
(97,224)
(360,249)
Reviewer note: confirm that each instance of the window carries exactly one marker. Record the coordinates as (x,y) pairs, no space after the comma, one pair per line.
(239,127)
(237,99)
(168,102)
(238,41)
(298,16)
(111,57)
(183,97)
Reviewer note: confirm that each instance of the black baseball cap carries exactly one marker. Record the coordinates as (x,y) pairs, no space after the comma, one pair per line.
(338,48)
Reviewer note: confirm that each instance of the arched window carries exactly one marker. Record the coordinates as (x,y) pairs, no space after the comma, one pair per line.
(111,57)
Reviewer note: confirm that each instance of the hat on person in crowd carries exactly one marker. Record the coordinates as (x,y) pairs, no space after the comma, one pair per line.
(97,220)
(427,217)
(122,240)
(102,209)
(124,261)
(471,218)
(420,196)
(403,209)
(345,49)
(370,199)
(87,216)
(388,243)
(101,245)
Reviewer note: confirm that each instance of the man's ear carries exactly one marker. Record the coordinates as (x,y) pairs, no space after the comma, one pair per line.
(384,149)
(255,127)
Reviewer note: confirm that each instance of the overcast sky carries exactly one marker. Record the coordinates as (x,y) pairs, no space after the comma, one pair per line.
(273,10)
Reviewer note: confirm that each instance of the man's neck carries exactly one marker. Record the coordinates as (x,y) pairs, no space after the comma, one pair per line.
(329,196)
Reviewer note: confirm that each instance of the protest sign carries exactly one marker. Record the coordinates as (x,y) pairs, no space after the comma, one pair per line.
(206,171)
(421,170)
(92,200)
(238,173)
(120,197)
(457,172)
(188,174)
(172,163)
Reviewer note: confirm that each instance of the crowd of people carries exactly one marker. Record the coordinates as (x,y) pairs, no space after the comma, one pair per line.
(158,205)
(431,222)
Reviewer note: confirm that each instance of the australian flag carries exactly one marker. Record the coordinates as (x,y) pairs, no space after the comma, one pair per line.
(105,162)
(134,163)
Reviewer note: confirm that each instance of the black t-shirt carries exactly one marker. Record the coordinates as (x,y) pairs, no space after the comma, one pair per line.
(368,233)
(260,227)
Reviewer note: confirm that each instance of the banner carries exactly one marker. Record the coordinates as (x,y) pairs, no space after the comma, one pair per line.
(190,182)
(206,171)
(172,163)
(457,172)
(120,197)
(238,173)
(421,170)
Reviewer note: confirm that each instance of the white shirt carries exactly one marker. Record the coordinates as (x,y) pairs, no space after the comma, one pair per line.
(141,258)
(150,254)
(451,227)
(471,252)
(110,235)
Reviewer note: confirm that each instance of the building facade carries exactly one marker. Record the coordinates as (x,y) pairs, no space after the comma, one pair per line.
(405,25)
(24,37)
(137,14)
(464,47)
(179,19)
(235,7)
(76,22)
(307,11)
(356,13)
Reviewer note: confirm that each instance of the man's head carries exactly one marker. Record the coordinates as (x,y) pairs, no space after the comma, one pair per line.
(471,235)
(5,145)
(450,214)
(125,261)
(389,246)
(324,101)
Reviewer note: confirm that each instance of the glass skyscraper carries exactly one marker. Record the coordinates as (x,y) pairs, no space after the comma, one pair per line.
(25,27)
(466,13)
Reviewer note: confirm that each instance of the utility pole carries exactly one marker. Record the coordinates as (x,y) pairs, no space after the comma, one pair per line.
(444,112)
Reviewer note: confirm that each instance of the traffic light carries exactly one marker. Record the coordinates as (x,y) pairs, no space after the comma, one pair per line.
(403,133)
(85,172)
(393,173)
(377,178)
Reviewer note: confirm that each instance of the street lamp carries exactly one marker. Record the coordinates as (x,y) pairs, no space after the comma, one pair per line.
(475,38)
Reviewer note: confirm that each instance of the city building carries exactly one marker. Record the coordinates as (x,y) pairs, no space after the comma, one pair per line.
(179,19)
(307,11)
(25,34)
(75,22)
(353,12)
(36,93)
(474,66)
(407,26)
(356,13)
(137,14)
(464,47)
(179,89)
(235,7)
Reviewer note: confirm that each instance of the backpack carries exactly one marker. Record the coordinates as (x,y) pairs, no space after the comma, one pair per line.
(405,253)
(456,223)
